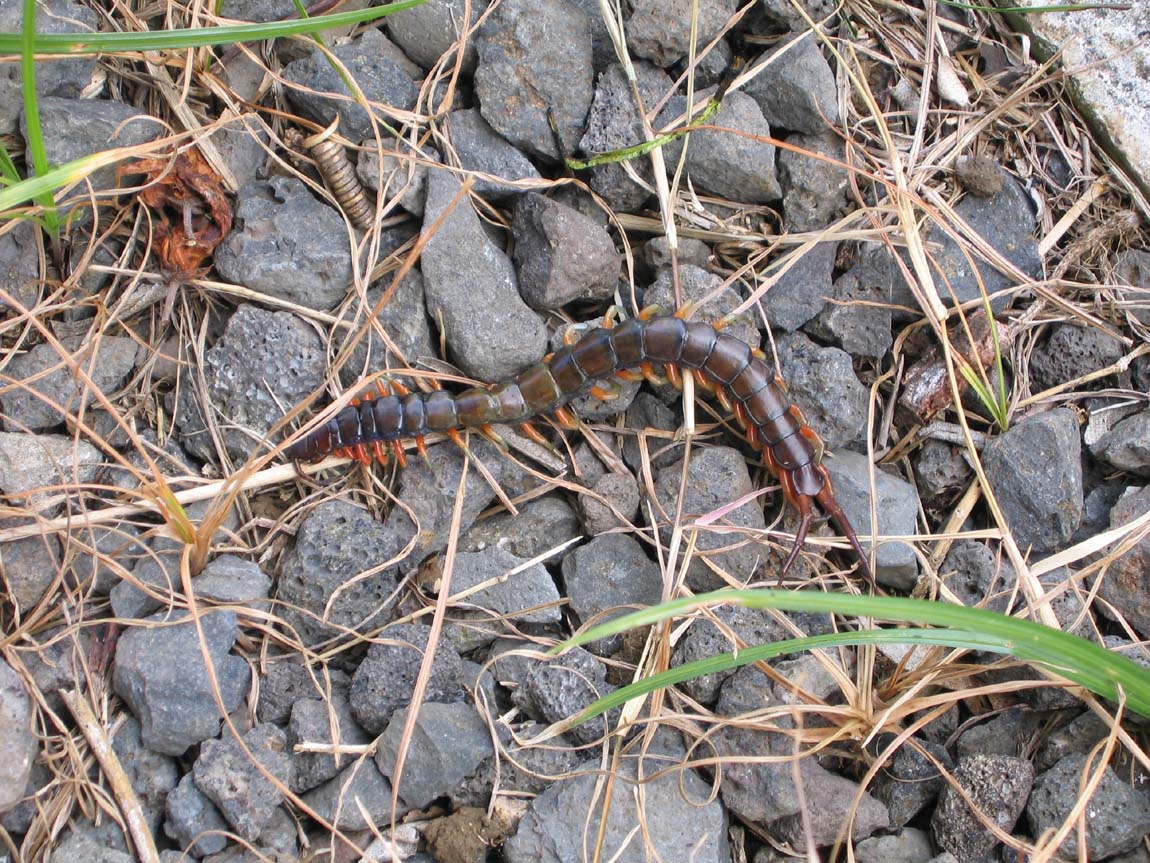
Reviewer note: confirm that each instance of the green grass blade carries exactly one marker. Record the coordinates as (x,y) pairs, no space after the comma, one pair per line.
(37,153)
(63,175)
(1072,658)
(195,37)
(760,652)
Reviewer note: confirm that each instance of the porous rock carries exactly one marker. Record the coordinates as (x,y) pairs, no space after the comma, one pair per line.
(998,785)
(336,542)
(29,462)
(738,167)
(227,775)
(384,681)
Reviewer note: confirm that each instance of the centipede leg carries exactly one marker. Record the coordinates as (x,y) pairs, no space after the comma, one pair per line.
(492,435)
(566,419)
(826,499)
(803,505)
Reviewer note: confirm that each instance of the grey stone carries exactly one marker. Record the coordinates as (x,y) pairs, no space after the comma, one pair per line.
(1072,352)
(264,360)
(380,78)
(906,846)
(535,69)
(613,123)
(103,554)
(1127,445)
(30,567)
(541,524)
(359,798)
(62,76)
(897,506)
(1124,586)
(18,818)
(34,461)
(287,244)
(1035,469)
(660,30)
(1010,733)
(801,292)
(404,319)
(384,681)
(1007,223)
(814,191)
(159,572)
(735,166)
(20,259)
(998,785)
(856,319)
(46,375)
(796,89)
(231,579)
(448,743)
(611,573)
(81,847)
(397,173)
(715,477)
(822,382)
(429,492)
(677,812)
(1076,737)
(657,254)
(229,777)
(1105,57)
(153,776)
(289,680)
(910,781)
(977,576)
(649,414)
(561,688)
(193,821)
(757,785)
(312,721)
(483,150)
(75,128)
(831,802)
(793,15)
(159,672)
(53,664)
(18,745)
(561,255)
(428,31)
(940,469)
(516,598)
(620,491)
(335,543)
(1117,816)
(472,291)
(241,144)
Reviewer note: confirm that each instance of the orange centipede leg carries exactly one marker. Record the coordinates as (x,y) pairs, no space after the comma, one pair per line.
(603,393)
(534,434)
(400,455)
(629,375)
(674,376)
(380,453)
(650,312)
(566,419)
(815,441)
(685,311)
(421,447)
(651,375)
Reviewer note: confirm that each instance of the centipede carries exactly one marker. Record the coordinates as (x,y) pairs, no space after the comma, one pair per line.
(738,376)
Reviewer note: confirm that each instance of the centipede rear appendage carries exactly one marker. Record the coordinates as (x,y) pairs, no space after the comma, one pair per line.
(790,448)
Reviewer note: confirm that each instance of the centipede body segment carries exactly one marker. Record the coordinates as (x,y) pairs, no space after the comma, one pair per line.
(739,376)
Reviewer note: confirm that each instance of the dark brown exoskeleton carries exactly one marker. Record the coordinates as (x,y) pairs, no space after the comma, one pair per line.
(739,377)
